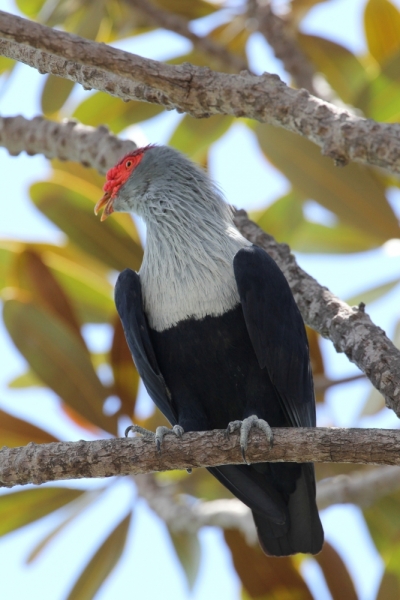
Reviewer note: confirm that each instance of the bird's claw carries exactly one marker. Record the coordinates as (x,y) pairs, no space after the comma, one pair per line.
(146,433)
(245,426)
(162,431)
(158,436)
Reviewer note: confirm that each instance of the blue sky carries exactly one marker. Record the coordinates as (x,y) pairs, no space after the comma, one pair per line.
(249,182)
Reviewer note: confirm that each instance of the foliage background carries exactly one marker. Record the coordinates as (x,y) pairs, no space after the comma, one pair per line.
(57,266)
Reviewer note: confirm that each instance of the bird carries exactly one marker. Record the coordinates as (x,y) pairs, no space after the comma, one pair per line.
(216,335)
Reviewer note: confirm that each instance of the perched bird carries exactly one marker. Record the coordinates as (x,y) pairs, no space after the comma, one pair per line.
(216,335)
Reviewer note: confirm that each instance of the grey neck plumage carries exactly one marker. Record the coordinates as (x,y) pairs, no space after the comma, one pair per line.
(187,269)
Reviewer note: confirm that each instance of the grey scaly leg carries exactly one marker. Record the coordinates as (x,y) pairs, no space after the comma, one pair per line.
(245,426)
(158,436)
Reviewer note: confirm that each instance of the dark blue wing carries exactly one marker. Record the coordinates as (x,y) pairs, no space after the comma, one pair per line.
(128,300)
(277,332)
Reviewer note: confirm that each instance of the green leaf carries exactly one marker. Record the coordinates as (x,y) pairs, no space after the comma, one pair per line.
(195,9)
(382,28)
(6,64)
(55,93)
(268,577)
(16,432)
(342,69)
(380,99)
(193,136)
(188,550)
(7,255)
(282,218)
(20,508)
(102,563)
(59,359)
(103,109)
(30,8)
(336,575)
(69,203)
(353,193)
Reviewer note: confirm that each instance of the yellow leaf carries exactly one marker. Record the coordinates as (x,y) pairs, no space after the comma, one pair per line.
(382,29)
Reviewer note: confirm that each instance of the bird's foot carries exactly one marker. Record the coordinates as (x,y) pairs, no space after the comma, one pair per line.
(158,436)
(245,426)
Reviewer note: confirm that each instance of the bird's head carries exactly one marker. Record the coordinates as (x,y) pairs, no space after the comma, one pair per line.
(158,183)
(117,188)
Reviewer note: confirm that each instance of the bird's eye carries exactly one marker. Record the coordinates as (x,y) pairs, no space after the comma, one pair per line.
(128,164)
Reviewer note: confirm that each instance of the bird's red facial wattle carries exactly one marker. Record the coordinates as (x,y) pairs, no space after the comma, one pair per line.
(115,178)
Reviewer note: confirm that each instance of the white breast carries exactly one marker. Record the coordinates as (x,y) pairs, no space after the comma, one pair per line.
(192,280)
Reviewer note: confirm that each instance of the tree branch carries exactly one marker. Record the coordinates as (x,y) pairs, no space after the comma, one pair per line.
(69,140)
(201,92)
(104,458)
(350,329)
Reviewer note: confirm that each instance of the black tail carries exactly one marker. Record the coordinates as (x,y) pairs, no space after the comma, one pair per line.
(305,533)
(282,498)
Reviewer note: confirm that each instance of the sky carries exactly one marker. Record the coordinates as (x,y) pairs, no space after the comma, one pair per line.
(248,181)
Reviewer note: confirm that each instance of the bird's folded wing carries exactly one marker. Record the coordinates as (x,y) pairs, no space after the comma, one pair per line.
(277,332)
(128,300)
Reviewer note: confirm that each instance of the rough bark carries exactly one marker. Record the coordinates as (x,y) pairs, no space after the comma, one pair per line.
(38,463)
(202,92)
(350,329)
(68,140)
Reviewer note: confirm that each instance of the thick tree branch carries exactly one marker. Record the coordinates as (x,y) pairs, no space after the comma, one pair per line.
(68,140)
(350,329)
(104,458)
(201,92)
(177,24)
